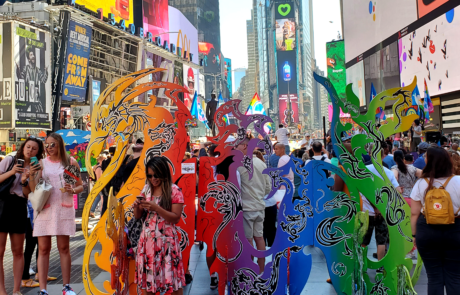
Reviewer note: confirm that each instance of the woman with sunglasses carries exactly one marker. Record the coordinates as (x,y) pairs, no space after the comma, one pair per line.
(58,215)
(159,266)
(13,216)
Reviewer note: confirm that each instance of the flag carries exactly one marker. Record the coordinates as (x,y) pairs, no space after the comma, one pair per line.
(379,113)
(197,110)
(220,102)
(414,108)
(256,107)
(428,99)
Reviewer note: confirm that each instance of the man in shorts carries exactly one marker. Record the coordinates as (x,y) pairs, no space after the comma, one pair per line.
(253,191)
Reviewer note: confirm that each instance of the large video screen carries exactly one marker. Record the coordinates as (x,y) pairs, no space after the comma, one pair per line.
(287,72)
(122,9)
(156,17)
(367,23)
(336,71)
(187,39)
(382,70)
(432,53)
(283,109)
(355,75)
(285,34)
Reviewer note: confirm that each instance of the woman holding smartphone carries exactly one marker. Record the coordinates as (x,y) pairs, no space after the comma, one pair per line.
(159,266)
(58,215)
(13,217)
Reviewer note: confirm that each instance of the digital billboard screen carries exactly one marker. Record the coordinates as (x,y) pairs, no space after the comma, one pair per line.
(155,17)
(184,34)
(191,83)
(287,72)
(367,23)
(355,75)
(432,53)
(283,109)
(229,75)
(382,70)
(336,71)
(121,9)
(285,34)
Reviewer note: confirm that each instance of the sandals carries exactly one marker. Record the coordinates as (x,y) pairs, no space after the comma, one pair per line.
(49,278)
(29,284)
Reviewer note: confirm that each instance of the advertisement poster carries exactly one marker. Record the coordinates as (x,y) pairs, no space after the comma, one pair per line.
(229,76)
(187,36)
(191,83)
(285,34)
(156,18)
(179,77)
(283,108)
(355,75)
(427,6)
(76,63)
(122,9)
(432,53)
(287,72)
(201,86)
(367,23)
(96,90)
(157,61)
(336,71)
(32,77)
(6,67)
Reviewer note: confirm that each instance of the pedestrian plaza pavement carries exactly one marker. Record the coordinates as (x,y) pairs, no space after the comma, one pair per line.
(200,285)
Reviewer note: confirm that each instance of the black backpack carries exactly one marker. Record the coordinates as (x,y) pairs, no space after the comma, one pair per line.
(117,180)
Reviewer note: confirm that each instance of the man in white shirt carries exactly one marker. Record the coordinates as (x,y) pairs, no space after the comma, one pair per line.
(306,142)
(282,136)
(280,151)
(319,153)
(253,192)
(376,220)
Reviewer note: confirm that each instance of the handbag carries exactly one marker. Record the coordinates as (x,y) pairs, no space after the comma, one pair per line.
(6,185)
(134,229)
(40,196)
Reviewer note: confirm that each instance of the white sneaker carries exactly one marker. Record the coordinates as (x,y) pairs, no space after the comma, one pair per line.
(31,272)
(66,290)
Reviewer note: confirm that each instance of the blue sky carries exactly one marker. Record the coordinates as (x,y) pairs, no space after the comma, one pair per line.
(233,16)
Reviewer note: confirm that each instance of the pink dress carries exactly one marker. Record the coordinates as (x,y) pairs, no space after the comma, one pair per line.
(159,266)
(58,215)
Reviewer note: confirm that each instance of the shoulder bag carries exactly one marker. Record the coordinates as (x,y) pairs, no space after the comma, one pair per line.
(5,186)
(40,196)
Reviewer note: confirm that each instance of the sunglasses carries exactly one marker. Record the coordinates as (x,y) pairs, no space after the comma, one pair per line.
(152,175)
(50,145)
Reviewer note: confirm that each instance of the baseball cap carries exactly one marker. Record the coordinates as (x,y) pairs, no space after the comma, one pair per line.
(307,134)
(424,145)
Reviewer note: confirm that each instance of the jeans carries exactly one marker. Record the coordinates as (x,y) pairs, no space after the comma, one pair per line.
(31,242)
(270,224)
(96,202)
(288,149)
(439,247)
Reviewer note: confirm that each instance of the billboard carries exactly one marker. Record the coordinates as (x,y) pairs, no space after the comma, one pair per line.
(191,83)
(229,76)
(76,63)
(32,59)
(427,6)
(155,18)
(382,70)
(336,71)
(167,75)
(6,77)
(287,72)
(211,57)
(187,38)
(283,109)
(432,53)
(121,9)
(355,75)
(285,34)
(367,23)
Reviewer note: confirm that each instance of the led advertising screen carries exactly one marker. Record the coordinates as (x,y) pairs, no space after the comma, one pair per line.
(432,53)
(191,83)
(287,72)
(355,75)
(229,75)
(167,75)
(382,70)
(283,108)
(427,6)
(367,23)
(121,9)
(285,34)
(76,63)
(336,71)
(32,59)
(187,38)
(211,57)
(156,18)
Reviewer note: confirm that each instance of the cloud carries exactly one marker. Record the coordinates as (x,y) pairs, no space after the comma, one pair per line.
(87,136)
(70,133)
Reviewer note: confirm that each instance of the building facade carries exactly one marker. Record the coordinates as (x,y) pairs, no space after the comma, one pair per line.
(252,79)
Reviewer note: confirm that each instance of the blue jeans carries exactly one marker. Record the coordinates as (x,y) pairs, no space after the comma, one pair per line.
(95,203)
(288,149)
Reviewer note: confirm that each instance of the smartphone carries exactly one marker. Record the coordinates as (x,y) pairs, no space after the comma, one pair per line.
(20,163)
(140,198)
(33,161)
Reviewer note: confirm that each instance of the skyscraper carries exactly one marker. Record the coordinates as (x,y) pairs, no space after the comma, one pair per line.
(252,72)
(238,74)
(204,15)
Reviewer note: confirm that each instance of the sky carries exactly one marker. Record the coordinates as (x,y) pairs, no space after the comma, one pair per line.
(233,16)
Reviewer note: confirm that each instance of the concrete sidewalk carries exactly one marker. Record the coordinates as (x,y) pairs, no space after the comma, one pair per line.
(198,268)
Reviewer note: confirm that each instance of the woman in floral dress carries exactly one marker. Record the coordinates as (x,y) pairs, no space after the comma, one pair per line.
(159,266)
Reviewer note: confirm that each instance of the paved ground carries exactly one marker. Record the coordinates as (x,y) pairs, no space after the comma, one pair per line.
(200,285)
